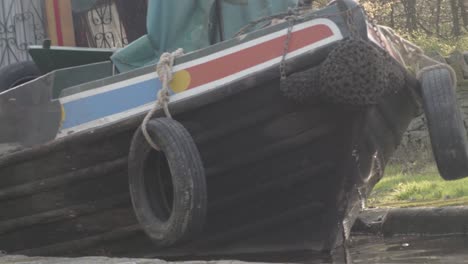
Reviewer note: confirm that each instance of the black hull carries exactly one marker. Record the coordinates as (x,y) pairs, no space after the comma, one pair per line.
(282,176)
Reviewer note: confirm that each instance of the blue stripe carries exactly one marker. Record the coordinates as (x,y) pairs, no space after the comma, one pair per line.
(91,108)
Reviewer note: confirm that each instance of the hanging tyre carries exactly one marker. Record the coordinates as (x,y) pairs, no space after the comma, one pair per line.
(17,74)
(167,187)
(445,123)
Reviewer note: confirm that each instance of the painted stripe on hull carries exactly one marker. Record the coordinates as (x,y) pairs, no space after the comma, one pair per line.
(134,96)
(116,101)
(247,58)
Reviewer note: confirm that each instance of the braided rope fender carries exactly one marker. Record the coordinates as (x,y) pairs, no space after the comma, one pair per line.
(355,73)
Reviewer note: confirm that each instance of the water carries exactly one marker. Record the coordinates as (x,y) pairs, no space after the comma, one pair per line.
(363,249)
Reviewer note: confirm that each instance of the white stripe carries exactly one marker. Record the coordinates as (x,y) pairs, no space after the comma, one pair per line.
(206,87)
(257,41)
(189,64)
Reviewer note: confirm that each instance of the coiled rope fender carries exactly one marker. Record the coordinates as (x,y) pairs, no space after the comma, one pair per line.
(164,71)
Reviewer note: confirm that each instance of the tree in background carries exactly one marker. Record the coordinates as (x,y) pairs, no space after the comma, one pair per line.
(435,25)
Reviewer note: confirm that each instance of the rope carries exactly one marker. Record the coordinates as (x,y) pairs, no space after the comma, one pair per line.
(414,55)
(164,71)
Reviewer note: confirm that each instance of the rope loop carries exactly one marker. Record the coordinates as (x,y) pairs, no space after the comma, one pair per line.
(165,74)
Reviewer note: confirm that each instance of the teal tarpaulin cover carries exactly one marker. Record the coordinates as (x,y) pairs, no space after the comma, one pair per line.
(192,25)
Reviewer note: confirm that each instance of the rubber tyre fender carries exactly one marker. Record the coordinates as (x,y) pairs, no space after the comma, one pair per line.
(187,176)
(18,73)
(445,123)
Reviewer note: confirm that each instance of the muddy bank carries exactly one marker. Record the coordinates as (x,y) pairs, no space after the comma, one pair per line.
(414,221)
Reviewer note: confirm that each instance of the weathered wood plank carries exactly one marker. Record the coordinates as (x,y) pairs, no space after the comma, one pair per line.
(34,187)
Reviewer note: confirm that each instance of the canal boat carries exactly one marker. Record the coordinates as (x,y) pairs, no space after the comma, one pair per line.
(265,143)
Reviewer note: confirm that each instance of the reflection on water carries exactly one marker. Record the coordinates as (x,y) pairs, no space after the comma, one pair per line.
(399,250)
(410,250)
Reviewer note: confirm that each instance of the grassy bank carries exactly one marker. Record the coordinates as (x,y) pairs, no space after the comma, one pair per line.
(422,188)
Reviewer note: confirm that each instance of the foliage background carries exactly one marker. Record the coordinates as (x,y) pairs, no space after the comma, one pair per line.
(435,25)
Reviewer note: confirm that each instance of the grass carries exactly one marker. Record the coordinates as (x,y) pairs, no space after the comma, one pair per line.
(422,188)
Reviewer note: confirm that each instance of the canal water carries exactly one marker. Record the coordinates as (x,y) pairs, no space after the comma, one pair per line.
(361,249)
(364,249)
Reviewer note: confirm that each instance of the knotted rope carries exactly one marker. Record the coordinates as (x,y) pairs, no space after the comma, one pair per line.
(164,71)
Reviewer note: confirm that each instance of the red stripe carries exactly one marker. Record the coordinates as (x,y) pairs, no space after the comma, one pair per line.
(58,23)
(247,58)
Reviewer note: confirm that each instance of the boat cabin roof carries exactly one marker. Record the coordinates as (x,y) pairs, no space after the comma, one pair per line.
(192,25)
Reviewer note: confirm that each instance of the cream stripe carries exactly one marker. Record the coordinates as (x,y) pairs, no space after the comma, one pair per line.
(243,46)
(203,88)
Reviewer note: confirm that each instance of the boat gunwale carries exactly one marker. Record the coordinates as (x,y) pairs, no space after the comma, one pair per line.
(323,13)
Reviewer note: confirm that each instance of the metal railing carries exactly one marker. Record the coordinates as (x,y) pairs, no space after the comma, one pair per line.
(111,23)
(22,24)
